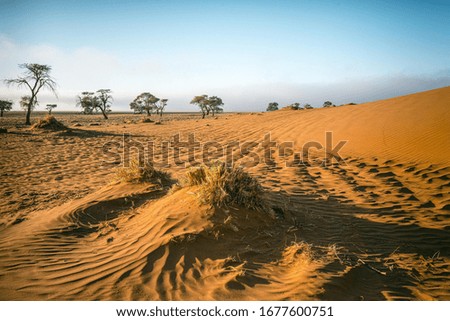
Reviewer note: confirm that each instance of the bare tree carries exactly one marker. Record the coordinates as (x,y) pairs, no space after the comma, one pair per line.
(5,105)
(35,77)
(50,107)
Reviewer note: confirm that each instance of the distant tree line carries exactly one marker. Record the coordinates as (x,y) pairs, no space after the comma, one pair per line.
(36,77)
(296,106)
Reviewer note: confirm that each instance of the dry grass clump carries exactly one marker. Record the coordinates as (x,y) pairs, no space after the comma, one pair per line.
(141,174)
(49,123)
(222,185)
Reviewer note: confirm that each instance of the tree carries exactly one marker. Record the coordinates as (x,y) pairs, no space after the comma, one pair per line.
(272,106)
(208,104)
(105,100)
(214,104)
(100,100)
(160,107)
(202,102)
(308,106)
(145,102)
(35,78)
(294,106)
(327,104)
(50,107)
(25,102)
(87,101)
(5,105)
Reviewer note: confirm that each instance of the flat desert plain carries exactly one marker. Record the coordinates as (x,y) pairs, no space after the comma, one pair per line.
(372,222)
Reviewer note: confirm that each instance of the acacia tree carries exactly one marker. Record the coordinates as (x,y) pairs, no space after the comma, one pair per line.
(272,106)
(50,107)
(35,77)
(145,102)
(296,106)
(100,100)
(207,104)
(105,100)
(327,104)
(5,105)
(160,107)
(308,106)
(25,102)
(214,104)
(87,101)
(202,102)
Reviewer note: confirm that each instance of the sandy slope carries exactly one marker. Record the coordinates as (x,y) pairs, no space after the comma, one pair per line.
(374,226)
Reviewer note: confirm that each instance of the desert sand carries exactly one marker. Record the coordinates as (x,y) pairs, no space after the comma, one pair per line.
(373,226)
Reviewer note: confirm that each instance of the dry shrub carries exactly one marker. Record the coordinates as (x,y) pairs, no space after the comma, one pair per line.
(49,123)
(297,253)
(141,174)
(222,185)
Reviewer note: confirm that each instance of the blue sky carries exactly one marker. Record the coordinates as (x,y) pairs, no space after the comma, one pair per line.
(247,52)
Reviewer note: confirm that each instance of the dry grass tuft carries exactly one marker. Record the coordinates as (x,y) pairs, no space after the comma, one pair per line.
(141,174)
(222,185)
(49,123)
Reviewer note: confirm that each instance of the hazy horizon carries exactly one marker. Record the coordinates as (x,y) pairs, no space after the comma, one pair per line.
(247,52)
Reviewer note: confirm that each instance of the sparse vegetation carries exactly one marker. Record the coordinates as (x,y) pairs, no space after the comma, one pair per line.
(105,100)
(308,106)
(50,107)
(35,78)
(90,102)
(25,102)
(272,106)
(223,185)
(145,102)
(294,106)
(328,104)
(5,105)
(208,105)
(135,173)
(160,107)
(87,102)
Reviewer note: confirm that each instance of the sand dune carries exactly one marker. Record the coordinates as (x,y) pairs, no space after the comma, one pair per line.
(374,226)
